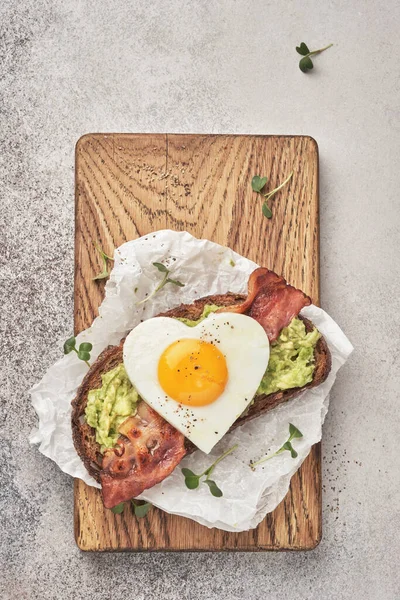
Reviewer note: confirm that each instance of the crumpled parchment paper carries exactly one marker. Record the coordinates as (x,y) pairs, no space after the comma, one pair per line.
(205,268)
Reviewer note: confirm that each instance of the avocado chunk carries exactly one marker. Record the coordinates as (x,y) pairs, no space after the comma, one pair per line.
(291,360)
(109,406)
(207,310)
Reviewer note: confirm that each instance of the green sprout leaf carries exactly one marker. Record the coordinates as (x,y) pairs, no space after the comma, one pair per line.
(85,347)
(287,446)
(302,49)
(163,269)
(305,63)
(175,282)
(214,489)
(294,432)
(69,345)
(104,257)
(141,510)
(188,473)
(266,211)
(117,510)
(257,183)
(192,480)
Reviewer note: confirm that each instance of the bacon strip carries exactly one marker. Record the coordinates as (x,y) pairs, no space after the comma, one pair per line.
(270,301)
(149,452)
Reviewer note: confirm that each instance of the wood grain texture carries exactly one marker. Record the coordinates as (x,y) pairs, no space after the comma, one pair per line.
(128,185)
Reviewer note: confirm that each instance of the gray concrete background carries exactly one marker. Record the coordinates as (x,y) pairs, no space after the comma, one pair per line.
(78,66)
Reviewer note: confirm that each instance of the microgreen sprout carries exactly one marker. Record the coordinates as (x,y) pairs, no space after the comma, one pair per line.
(258,183)
(140,509)
(83,351)
(192,480)
(293,433)
(166,279)
(306,64)
(104,257)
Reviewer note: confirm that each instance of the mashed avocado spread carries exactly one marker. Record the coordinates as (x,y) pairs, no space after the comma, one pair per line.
(291,359)
(109,406)
(291,364)
(207,310)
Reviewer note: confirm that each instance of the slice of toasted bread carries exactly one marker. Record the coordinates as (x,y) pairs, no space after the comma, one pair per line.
(84,435)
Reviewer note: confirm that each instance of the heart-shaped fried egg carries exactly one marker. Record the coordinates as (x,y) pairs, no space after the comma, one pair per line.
(202,378)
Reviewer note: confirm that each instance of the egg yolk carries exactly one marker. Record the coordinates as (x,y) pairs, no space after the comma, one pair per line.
(193,372)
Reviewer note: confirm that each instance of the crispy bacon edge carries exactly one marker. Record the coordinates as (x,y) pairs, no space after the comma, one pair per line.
(149,451)
(270,301)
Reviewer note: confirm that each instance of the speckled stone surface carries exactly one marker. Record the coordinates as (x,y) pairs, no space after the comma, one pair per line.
(78,66)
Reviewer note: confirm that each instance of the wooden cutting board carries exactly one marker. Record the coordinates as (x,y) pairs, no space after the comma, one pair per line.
(128,185)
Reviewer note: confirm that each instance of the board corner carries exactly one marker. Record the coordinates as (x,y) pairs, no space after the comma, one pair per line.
(313,543)
(313,144)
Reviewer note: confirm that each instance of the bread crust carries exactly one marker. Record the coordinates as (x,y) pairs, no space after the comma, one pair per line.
(84,436)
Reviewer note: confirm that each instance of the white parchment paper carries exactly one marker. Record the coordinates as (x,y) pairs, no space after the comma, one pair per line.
(205,268)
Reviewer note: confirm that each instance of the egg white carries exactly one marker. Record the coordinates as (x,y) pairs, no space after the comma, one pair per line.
(241,340)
